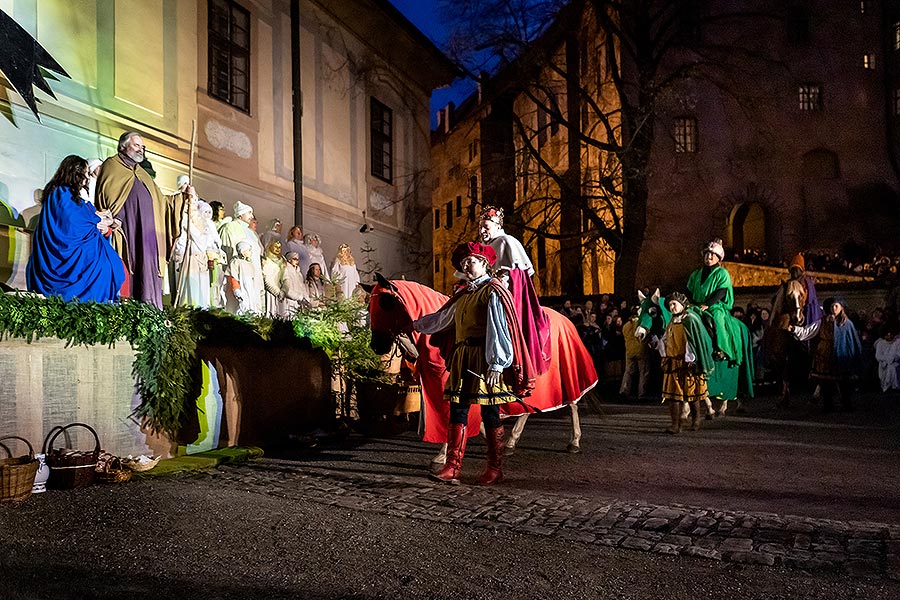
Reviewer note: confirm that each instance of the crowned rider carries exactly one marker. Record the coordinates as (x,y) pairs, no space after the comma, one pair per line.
(514,269)
(485,365)
(712,294)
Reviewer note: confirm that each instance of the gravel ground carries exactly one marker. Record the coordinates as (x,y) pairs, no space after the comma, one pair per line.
(189,537)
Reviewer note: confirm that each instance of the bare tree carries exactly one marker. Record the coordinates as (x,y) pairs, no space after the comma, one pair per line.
(586,81)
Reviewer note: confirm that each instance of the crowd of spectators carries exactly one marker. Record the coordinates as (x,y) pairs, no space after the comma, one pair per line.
(600,323)
(853,259)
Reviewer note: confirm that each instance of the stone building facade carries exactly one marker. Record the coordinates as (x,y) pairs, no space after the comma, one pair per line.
(156,66)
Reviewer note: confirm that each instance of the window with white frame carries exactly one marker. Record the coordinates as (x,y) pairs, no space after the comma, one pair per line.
(685,135)
(810,96)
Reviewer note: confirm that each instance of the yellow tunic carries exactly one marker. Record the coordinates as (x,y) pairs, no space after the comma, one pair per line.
(682,381)
(469,357)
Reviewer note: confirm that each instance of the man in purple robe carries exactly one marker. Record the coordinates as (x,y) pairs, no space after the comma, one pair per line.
(150,220)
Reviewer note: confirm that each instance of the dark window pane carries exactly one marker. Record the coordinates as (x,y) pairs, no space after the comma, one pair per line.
(228,50)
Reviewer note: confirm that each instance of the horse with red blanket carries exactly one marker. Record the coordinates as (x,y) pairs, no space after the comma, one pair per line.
(394,305)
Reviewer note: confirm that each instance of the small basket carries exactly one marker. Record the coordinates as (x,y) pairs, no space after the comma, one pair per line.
(70,468)
(137,466)
(17,473)
(110,470)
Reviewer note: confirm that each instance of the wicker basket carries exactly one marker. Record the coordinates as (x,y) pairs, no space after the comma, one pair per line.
(111,470)
(137,466)
(17,473)
(71,468)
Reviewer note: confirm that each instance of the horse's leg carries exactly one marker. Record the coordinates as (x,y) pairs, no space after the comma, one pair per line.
(710,412)
(438,462)
(514,435)
(574,446)
(722,408)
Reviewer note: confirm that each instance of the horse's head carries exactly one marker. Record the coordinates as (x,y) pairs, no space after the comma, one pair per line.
(794,301)
(651,315)
(388,316)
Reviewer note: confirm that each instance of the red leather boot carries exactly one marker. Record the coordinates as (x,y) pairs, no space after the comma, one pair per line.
(456,448)
(493,472)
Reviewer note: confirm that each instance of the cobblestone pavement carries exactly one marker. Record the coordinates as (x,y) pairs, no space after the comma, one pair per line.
(852,547)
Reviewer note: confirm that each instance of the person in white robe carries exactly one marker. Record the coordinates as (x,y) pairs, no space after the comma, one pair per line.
(887,353)
(273,273)
(293,286)
(343,272)
(196,250)
(244,281)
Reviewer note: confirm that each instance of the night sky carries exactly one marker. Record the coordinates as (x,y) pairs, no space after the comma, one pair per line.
(424,15)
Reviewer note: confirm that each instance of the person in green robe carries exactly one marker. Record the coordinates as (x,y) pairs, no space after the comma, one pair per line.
(712,296)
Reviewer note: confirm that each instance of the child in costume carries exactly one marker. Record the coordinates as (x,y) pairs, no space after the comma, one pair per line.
(683,379)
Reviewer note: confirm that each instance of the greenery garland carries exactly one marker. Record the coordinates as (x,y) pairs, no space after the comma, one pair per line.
(165,341)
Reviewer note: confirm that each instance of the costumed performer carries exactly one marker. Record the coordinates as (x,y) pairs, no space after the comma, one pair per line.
(293,286)
(683,379)
(837,357)
(515,269)
(244,283)
(315,285)
(272,275)
(240,229)
(151,221)
(712,296)
(795,303)
(294,243)
(71,255)
(314,251)
(344,273)
(203,254)
(486,363)
(272,233)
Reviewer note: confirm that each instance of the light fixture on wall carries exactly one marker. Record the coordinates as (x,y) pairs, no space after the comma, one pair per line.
(366,228)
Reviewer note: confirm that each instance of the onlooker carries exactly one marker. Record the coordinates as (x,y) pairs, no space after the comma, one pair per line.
(636,361)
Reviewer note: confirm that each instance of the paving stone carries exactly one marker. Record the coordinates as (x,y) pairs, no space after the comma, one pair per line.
(636,543)
(655,524)
(610,540)
(577,536)
(752,558)
(663,548)
(773,549)
(678,540)
(736,545)
(802,541)
(665,513)
(627,523)
(699,531)
(702,552)
(706,522)
(858,546)
(800,527)
(742,532)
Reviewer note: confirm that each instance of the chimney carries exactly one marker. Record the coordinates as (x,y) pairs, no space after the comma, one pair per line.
(440,119)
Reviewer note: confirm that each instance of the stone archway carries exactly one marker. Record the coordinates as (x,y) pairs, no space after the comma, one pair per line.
(746,228)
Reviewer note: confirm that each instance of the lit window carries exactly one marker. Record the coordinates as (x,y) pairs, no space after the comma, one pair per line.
(862,7)
(685,135)
(897,35)
(229,53)
(869,60)
(381,120)
(810,97)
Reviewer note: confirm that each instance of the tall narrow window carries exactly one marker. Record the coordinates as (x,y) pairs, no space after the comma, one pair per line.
(685,135)
(382,141)
(473,150)
(862,7)
(869,61)
(473,189)
(448,222)
(229,53)
(437,263)
(810,96)
(437,218)
(897,35)
(897,101)
(459,206)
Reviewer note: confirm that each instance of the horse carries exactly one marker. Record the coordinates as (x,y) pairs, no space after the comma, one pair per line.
(394,305)
(795,303)
(726,380)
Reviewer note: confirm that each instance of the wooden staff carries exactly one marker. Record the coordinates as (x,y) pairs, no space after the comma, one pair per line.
(183,276)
